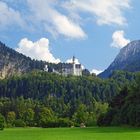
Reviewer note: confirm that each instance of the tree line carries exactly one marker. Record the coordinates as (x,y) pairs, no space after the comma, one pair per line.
(44,99)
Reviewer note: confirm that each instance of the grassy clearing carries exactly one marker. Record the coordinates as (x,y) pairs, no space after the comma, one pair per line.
(95,133)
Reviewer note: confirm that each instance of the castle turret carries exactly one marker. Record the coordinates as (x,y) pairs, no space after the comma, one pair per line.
(73,59)
(74,67)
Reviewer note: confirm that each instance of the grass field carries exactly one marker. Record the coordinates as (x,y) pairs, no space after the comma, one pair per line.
(95,133)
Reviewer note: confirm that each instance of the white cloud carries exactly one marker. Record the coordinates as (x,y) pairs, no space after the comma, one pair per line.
(54,21)
(95,71)
(39,50)
(119,41)
(9,16)
(62,17)
(105,11)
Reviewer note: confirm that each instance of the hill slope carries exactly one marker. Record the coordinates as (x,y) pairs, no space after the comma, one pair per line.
(12,62)
(128,60)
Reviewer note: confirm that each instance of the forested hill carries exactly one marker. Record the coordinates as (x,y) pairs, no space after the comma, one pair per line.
(41,85)
(49,100)
(12,62)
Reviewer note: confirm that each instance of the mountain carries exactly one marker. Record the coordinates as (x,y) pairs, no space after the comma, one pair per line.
(12,62)
(128,60)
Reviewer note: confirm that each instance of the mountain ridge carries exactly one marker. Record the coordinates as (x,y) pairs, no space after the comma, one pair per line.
(128,59)
(13,62)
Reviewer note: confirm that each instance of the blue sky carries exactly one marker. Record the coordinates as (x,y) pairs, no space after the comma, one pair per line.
(55,30)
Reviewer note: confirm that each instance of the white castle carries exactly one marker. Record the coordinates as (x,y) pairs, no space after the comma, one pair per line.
(72,69)
(68,69)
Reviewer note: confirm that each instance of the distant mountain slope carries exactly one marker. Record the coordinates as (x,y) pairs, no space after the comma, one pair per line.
(12,62)
(128,60)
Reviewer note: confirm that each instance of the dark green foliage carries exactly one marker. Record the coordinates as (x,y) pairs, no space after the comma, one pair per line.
(43,116)
(49,100)
(22,112)
(46,86)
(28,116)
(2,122)
(19,123)
(11,116)
(124,109)
(106,119)
(60,122)
(80,116)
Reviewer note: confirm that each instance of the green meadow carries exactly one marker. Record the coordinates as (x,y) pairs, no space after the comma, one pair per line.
(95,133)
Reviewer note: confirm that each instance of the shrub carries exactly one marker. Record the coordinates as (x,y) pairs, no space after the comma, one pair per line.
(61,122)
(2,122)
(64,122)
(19,123)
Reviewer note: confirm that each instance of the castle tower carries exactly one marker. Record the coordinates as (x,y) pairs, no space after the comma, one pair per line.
(74,65)
(73,59)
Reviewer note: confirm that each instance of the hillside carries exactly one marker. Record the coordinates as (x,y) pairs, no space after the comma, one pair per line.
(37,85)
(12,62)
(128,60)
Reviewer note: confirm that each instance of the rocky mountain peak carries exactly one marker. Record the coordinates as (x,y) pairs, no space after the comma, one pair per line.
(128,59)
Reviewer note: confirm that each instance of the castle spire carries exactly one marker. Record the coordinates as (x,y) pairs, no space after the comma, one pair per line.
(73,59)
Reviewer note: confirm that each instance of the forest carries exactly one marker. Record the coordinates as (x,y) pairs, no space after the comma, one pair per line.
(124,108)
(42,99)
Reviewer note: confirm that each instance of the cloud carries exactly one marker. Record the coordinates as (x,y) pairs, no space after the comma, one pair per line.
(105,11)
(53,20)
(95,71)
(9,16)
(39,50)
(119,41)
(65,18)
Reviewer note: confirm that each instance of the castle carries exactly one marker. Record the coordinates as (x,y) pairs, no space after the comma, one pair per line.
(68,69)
(72,69)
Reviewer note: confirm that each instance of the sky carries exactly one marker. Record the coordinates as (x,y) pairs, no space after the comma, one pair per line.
(93,31)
